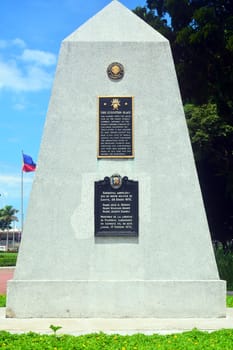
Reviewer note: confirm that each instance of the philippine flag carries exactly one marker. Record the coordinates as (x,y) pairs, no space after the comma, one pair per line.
(28,164)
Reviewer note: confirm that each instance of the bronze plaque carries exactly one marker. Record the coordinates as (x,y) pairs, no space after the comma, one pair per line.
(115,127)
(116,207)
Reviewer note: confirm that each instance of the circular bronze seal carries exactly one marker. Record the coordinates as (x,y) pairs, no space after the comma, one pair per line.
(115,181)
(115,71)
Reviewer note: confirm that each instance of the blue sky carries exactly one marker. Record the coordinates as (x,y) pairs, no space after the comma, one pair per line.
(31,32)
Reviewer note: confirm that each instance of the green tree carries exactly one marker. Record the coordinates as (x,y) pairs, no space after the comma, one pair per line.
(212,141)
(201,37)
(7,217)
(158,23)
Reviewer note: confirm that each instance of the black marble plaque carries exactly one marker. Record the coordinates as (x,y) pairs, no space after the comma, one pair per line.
(115,127)
(116,209)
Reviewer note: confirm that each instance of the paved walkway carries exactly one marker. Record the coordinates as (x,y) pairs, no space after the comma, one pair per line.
(6,273)
(77,326)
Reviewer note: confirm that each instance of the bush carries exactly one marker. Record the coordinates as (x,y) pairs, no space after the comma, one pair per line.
(224,259)
(8,259)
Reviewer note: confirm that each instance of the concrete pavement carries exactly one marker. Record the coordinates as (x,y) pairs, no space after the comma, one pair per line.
(77,326)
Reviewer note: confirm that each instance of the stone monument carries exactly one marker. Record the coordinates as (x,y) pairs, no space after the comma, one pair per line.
(116,225)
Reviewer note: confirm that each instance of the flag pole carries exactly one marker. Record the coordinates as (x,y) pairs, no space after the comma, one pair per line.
(28,166)
(22,218)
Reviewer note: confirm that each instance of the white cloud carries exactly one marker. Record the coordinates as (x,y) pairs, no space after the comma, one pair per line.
(32,79)
(19,106)
(10,187)
(10,75)
(39,57)
(32,70)
(10,180)
(10,191)
(13,140)
(15,42)
(3,44)
(19,42)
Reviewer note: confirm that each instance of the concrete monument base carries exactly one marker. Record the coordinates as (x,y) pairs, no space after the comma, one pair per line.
(116,299)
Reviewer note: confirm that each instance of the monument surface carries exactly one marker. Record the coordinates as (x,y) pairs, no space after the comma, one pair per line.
(116,225)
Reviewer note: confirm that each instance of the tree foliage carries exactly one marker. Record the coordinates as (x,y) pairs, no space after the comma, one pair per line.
(7,217)
(201,36)
(212,141)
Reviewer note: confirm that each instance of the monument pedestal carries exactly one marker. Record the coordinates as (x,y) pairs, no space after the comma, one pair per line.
(91,246)
(117,299)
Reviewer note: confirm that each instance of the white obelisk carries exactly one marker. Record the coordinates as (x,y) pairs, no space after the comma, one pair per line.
(63,270)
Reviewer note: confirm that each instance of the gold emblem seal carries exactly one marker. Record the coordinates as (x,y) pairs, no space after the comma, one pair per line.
(115,181)
(115,71)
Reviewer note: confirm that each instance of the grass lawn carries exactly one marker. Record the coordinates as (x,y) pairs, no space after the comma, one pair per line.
(2,300)
(8,259)
(229,300)
(195,339)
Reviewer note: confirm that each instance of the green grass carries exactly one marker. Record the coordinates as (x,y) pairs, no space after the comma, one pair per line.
(195,339)
(8,259)
(2,300)
(230,301)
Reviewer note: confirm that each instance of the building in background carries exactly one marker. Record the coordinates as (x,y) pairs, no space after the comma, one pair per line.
(10,239)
